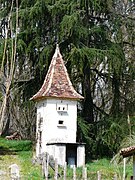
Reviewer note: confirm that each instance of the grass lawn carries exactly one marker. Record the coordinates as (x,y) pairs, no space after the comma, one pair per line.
(21,153)
(108,170)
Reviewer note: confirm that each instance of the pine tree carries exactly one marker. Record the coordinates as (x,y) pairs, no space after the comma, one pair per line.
(96,39)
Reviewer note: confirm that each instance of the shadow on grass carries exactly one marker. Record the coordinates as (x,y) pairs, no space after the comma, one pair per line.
(7,151)
(14,146)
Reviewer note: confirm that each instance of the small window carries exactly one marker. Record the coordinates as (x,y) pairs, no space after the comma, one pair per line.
(62,107)
(61,122)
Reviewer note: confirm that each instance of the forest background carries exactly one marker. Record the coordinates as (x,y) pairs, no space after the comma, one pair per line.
(97,41)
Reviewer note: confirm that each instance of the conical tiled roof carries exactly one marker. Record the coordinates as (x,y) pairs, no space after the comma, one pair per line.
(57,83)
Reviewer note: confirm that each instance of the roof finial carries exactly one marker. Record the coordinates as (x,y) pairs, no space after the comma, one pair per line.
(57,46)
(57,51)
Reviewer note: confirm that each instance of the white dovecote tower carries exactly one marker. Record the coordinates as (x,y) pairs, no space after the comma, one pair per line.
(57,115)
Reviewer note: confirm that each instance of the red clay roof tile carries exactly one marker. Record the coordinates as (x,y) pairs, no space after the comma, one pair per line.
(57,83)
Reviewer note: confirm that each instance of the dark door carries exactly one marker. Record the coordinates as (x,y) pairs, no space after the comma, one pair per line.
(71,155)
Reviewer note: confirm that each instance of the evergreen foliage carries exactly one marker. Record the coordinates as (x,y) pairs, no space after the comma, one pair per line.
(96,39)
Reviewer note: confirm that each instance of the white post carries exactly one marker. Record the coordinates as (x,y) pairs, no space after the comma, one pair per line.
(133,167)
(99,175)
(74,173)
(65,169)
(124,168)
(84,173)
(43,168)
(56,170)
(46,166)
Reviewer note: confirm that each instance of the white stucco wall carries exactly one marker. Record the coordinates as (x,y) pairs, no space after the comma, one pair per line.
(51,110)
(80,155)
(58,151)
(60,154)
(40,114)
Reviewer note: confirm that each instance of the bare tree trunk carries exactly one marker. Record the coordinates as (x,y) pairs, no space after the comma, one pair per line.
(6,126)
(9,69)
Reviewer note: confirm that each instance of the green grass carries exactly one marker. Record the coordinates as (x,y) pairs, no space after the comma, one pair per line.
(107,169)
(21,153)
(13,145)
(29,170)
